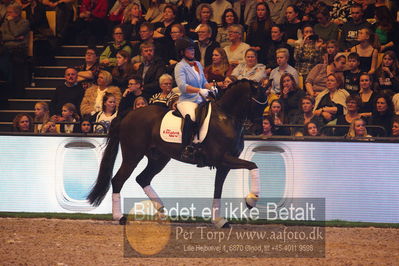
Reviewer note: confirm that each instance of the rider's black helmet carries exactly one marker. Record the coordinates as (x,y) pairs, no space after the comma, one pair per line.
(182,44)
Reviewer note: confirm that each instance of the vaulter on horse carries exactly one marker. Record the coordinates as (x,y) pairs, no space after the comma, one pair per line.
(194,88)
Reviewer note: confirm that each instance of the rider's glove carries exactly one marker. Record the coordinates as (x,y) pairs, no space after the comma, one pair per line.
(204,92)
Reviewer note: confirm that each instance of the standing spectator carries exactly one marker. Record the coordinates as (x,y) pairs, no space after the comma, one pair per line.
(326,29)
(166,97)
(341,11)
(14,31)
(236,51)
(92,100)
(350,29)
(205,45)
(108,56)
(308,53)
(250,69)
(245,10)
(366,49)
(259,32)
(91,26)
(282,56)
(382,114)
(277,10)
(219,69)
(22,122)
(219,6)
(387,73)
(352,75)
(150,70)
(106,115)
(88,72)
(229,18)
(69,92)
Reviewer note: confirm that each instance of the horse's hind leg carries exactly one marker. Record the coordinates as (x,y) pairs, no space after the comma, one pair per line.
(129,163)
(144,179)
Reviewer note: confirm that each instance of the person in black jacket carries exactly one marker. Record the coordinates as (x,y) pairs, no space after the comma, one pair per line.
(150,70)
(204,46)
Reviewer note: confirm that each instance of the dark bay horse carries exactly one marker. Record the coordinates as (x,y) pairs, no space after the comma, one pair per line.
(138,135)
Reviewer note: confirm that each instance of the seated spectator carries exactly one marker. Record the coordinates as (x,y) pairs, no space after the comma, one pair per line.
(226,83)
(85,126)
(42,116)
(147,35)
(395,127)
(387,74)
(91,27)
(317,79)
(204,15)
(50,127)
(108,56)
(88,72)
(154,12)
(353,104)
(277,42)
(69,114)
(14,32)
(282,56)
(116,13)
(163,28)
(267,127)
(331,102)
(351,28)
(382,114)
(366,50)
(293,24)
(134,90)
(305,115)
(276,111)
(357,129)
(69,92)
(236,51)
(106,115)
(367,94)
(325,28)
(150,70)
(341,10)
(245,10)
(259,31)
(386,28)
(92,100)
(311,129)
(307,54)
(22,122)
(205,46)
(218,7)
(352,75)
(177,32)
(331,51)
(132,21)
(277,10)
(166,97)
(220,67)
(229,18)
(139,102)
(250,69)
(186,11)
(290,94)
(123,69)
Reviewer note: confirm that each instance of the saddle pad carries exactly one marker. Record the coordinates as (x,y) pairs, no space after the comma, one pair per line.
(171,128)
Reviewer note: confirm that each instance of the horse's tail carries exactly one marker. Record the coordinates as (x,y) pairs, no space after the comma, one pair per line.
(103,182)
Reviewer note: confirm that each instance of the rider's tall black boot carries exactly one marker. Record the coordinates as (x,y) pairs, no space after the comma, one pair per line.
(187,138)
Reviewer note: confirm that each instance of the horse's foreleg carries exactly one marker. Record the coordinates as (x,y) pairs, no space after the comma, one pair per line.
(144,179)
(217,219)
(237,163)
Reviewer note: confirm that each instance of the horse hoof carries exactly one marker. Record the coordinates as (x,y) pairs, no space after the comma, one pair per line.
(123,220)
(251,200)
(226,225)
(221,223)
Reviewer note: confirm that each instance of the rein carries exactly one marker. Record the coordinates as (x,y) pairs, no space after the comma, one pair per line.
(258,102)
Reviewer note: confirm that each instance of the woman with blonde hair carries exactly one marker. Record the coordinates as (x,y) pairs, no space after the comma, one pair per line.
(204,15)
(357,129)
(220,67)
(367,50)
(92,100)
(42,115)
(132,21)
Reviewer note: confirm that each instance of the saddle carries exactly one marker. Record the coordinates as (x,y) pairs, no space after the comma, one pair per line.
(173,122)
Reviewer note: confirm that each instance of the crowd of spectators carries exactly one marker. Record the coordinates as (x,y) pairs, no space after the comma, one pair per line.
(321,62)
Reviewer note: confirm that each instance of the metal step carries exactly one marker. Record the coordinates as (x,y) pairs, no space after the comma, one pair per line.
(8,115)
(39,93)
(76,50)
(50,71)
(5,126)
(25,104)
(70,61)
(49,82)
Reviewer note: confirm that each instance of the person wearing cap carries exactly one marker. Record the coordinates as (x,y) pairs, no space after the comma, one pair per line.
(194,88)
